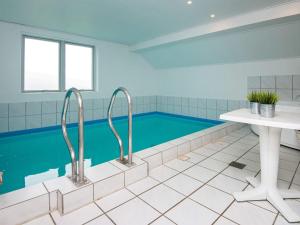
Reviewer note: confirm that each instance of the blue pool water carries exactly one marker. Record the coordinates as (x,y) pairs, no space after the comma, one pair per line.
(31,158)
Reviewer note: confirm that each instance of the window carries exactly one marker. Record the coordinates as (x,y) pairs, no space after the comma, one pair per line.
(50,65)
(79,66)
(41,65)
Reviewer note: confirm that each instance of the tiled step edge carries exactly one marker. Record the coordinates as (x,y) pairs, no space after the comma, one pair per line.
(160,154)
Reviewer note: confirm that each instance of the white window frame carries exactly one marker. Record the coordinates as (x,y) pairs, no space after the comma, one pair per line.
(61,56)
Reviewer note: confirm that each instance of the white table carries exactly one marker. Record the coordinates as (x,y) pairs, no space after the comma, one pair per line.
(270,133)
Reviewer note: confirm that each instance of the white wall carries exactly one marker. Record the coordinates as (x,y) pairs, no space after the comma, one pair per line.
(228,81)
(116,66)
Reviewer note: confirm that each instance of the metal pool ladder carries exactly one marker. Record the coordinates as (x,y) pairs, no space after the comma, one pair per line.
(122,159)
(77,166)
(1,177)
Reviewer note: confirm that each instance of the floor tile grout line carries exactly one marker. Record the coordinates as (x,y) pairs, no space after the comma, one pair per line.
(52,218)
(294,175)
(218,213)
(32,198)
(222,214)
(161,217)
(251,202)
(104,213)
(276,217)
(117,205)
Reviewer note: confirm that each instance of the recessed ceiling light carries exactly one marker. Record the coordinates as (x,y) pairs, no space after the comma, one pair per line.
(212,15)
(189,2)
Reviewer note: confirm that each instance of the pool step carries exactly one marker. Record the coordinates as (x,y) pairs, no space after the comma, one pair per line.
(104,179)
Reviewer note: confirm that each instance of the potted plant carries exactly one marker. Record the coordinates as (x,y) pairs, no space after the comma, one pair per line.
(267,102)
(253,98)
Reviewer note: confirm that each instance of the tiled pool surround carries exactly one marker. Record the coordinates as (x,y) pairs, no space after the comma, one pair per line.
(194,191)
(31,115)
(61,195)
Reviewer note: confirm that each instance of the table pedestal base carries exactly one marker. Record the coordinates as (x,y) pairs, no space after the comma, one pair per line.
(267,188)
(274,196)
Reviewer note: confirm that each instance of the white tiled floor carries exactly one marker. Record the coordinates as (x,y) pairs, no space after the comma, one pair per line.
(162,198)
(213,164)
(212,198)
(227,184)
(248,214)
(45,220)
(134,212)
(188,212)
(200,173)
(111,201)
(142,185)
(162,221)
(102,220)
(80,216)
(183,184)
(179,165)
(162,173)
(195,191)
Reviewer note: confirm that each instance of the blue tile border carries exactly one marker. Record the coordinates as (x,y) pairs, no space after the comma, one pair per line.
(216,122)
(50,128)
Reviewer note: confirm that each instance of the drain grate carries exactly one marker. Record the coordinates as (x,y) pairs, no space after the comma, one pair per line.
(237,165)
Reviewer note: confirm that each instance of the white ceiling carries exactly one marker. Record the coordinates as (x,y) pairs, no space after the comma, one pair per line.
(273,40)
(124,21)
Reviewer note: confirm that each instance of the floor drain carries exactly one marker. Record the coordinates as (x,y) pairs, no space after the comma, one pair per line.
(237,165)
(183,157)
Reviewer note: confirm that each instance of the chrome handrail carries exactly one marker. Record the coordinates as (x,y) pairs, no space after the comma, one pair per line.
(1,177)
(109,117)
(77,170)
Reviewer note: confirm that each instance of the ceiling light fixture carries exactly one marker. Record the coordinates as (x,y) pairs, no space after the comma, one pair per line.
(212,15)
(189,2)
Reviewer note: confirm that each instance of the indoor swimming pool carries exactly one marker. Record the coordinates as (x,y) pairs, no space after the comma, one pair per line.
(30,157)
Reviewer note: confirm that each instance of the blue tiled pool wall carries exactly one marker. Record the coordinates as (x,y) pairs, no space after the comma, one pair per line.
(287,86)
(32,115)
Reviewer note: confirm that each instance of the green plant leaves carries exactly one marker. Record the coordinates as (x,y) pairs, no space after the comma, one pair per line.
(263,97)
(253,96)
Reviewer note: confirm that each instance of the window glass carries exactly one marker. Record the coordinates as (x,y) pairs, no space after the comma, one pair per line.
(41,65)
(78,67)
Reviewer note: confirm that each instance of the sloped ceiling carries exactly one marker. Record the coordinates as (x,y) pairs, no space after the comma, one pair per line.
(279,39)
(133,22)
(123,21)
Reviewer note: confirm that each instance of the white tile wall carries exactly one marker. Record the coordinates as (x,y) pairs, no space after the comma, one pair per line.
(29,115)
(13,117)
(286,86)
